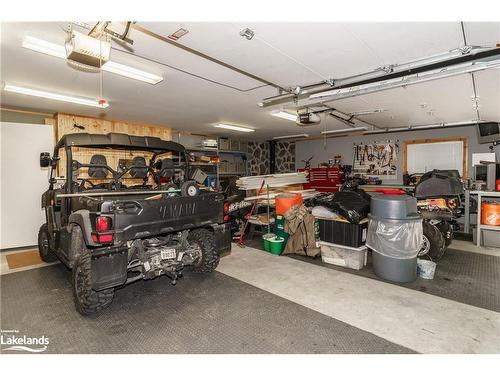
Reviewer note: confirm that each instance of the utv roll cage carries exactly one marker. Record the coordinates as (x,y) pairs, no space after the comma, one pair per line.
(115,141)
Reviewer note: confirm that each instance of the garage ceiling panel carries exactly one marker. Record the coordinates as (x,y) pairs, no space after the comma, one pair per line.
(286,53)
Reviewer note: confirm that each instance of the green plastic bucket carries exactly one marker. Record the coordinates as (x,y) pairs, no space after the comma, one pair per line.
(267,237)
(277,245)
(279,227)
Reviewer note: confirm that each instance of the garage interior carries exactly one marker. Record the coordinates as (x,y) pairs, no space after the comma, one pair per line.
(345,199)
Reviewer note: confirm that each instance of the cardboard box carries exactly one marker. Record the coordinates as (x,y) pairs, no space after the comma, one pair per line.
(243,146)
(199,176)
(240,167)
(234,145)
(203,159)
(223,144)
(223,166)
(231,167)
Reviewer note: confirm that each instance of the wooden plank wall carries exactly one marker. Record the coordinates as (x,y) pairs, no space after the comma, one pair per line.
(68,123)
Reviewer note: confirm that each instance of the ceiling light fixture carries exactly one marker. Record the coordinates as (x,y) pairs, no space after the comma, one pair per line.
(59,51)
(128,71)
(367,112)
(292,136)
(351,130)
(100,103)
(235,127)
(284,115)
(43,46)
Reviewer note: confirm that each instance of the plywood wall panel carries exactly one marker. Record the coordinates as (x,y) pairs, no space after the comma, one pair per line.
(68,124)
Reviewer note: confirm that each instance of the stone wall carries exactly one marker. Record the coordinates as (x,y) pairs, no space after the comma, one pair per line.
(285,157)
(258,157)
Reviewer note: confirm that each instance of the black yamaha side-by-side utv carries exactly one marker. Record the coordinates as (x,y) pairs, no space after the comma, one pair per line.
(439,199)
(111,233)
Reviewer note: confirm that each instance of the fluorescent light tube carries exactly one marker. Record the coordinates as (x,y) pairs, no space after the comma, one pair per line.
(59,51)
(234,127)
(55,96)
(367,112)
(128,71)
(43,46)
(284,115)
(351,130)
(292,136)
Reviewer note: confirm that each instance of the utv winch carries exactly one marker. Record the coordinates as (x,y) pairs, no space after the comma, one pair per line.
(439,200)
(112,232)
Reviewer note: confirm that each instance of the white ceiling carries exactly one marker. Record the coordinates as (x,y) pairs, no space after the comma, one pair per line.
(287,54)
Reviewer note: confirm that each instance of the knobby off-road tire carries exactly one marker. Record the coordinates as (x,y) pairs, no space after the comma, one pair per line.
(447,231)
(206,241)
(436,241)
(46,253)
(87,300)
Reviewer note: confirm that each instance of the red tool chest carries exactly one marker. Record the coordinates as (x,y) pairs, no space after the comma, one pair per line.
(326,179)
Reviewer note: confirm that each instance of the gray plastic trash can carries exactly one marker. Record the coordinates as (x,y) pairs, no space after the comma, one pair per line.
(395,236)
(394,269)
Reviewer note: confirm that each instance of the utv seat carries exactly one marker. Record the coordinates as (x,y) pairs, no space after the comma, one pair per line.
(167,168)
(98,170)
(138,172)
(99,164)
(139,169)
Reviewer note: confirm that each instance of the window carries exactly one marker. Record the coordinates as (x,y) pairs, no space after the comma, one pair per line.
(420,156)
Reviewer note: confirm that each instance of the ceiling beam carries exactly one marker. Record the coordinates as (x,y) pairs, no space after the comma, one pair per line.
(461,56)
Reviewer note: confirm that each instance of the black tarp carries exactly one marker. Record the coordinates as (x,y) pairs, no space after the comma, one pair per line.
(354,206)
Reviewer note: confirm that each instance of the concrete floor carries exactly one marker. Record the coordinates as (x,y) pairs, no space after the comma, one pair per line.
(259,303)
(413,319)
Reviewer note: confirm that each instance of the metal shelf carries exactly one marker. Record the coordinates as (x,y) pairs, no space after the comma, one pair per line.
(232,152)
(201,164)
(213,169)
(490,227)
(201,150)
(479,227)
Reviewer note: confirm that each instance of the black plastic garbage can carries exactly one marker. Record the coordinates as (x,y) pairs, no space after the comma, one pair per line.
(395,236)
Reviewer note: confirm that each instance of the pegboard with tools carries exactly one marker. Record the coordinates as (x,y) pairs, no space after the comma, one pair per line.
(376,159)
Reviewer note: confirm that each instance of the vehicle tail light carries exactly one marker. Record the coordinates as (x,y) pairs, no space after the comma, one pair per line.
(226,210)
(103,223)
(105,238)
(102,238)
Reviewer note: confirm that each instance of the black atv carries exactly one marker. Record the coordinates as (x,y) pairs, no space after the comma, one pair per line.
(111,232)
(439,200)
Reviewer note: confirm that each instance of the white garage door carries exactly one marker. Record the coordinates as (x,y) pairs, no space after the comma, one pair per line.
(22,181)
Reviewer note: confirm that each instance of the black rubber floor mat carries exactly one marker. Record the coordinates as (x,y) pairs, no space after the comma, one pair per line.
(460,276)
(201,314)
